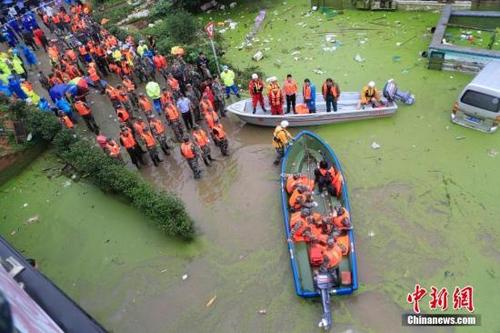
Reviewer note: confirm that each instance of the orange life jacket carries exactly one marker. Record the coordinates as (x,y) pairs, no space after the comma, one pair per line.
(294,220)
(218,131)
(206,106)
(200,137)
(53,53)
(172,113)
(82,49)
(187,150)
(148,139)
(157,125)
(293,199)
(337,181)
(173,83)
(139,127)
(122,114)
(82,108)
(145,104)
(291,183)
(166,97)
(127,139)
(332,89)
(255,86)
(344,243)
(275,96)
(160,61)
(306,92)
(211,117)
(129,85)
(93,74)
(112,92)
(67,122)
(290,88)
(56,19)
(338,220)
(334,255)
(71,55)
(113,148)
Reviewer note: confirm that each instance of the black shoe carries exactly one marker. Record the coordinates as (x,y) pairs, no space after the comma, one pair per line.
(264,110)
(276,162)
(254,110)
(238,95)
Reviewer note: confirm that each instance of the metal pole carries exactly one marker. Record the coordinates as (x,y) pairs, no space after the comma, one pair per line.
(215,55)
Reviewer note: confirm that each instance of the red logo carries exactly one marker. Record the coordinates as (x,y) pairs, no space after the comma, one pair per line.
(462,298)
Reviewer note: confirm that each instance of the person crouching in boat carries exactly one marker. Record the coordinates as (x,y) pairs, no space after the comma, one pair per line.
(299,228)
(275,96)
(301,198)
(369,96)
(332,256)
(323,176)
(281,139)
(295,180)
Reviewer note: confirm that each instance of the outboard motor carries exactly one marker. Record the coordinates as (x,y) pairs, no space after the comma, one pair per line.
(325,282)
(392,93)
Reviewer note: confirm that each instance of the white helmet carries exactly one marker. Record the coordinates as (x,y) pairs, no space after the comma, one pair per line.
(284,124)
(255,76)
(371,84)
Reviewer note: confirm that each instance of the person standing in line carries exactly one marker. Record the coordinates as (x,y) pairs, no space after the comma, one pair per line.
(184,105)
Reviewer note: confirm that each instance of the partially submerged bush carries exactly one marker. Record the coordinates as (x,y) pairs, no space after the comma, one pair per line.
(165,209)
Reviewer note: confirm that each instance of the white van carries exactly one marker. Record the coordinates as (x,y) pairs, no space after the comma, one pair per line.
(478,105)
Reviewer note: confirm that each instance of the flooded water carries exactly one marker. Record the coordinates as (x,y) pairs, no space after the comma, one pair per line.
(424,204)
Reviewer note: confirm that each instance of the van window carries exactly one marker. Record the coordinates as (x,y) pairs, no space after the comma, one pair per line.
(480,100)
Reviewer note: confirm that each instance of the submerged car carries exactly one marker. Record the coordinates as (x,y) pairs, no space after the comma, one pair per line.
(478,105)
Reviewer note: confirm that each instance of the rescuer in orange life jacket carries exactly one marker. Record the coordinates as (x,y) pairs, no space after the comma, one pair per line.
(190,153)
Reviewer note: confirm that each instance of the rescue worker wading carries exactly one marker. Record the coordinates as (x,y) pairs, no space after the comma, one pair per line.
(127,140)
(281,139)
(86,113)
(150,144)
(220,138)
(159,133)
(200,137)
(188,151)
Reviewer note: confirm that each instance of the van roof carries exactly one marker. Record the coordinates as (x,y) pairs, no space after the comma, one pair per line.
(489,76)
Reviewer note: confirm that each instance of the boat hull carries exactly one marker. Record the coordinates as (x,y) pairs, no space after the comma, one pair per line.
(302,275)
(347,111)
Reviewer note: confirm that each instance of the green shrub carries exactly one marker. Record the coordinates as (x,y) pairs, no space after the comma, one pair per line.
(182,27)
(161,9)
(165,209)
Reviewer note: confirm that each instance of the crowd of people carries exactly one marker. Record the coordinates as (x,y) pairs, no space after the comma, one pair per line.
(325,234)
(277,95)
(85,56)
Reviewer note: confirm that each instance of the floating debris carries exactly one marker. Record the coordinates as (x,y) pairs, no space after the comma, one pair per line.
(318,71)
(67,183)
(375,145)
(163,270)
(492,152)
(358,58)
(396,58)
(459,137)
(262,311)
(33,219)
(184,277)
(25,205)
(258,56)
(211,301)
(371,234)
